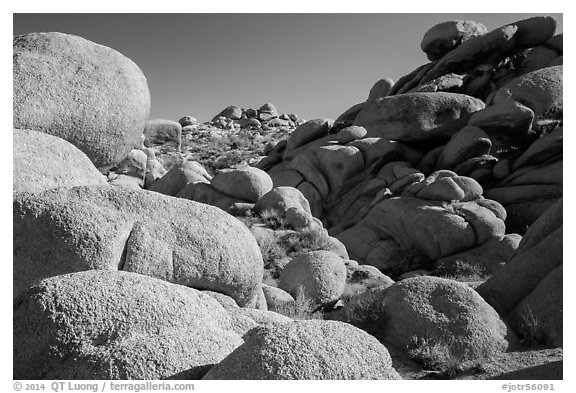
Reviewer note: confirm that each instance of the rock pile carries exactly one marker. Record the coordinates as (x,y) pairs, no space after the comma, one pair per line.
(141,279)
(448,160)
(266,117)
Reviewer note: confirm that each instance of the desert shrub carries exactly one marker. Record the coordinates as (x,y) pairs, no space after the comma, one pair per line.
(306,240)
(407,260)
(463,271)
(302,308)
(272,219)
(441,356)
(528,327)
(365,312)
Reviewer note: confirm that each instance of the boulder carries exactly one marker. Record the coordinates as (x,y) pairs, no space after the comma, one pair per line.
(246,183)
(443,37)
(539,90)
(347,117)
(380,89)
(187,121)
(434,311)
(276,298)
(230,112)
(414,116)
(350,134)
(321,274)
(160,131)
(280,199)
(508,124)
(534,31)
(269,109)
(135,164)
(119,325)
(472,52)
(450,83)
(467,143)
(364,278)
(556,43)
(185,173)
(41,161)
(88,94)
(250,122)
(537,58)
(541,150)
(305,350)
(308,132)
(111,228)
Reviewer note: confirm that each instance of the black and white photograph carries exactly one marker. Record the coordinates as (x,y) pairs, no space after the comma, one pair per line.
(301,196)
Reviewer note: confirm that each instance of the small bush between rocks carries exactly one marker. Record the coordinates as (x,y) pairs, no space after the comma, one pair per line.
(528,327)
(272,219)
(302,308)
(439,356)
(463,271)
(407,261)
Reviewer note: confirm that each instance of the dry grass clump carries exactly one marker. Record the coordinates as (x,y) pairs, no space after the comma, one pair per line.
(463,271)
(302,308)
(441,356)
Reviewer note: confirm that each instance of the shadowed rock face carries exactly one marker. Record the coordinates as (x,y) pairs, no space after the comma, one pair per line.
(106,227)
(119,325)
(528,290)
(307,350)
(85,93)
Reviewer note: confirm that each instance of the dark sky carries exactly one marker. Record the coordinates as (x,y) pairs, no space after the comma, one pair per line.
(315,65)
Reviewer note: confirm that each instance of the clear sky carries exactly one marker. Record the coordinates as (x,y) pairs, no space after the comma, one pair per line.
(314,65)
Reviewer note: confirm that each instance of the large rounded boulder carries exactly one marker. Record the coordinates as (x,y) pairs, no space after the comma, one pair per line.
(111,228)
(42,161)
(321,275)
(119,325)
(307,350)
(83,92)
(247,183)
(435,312)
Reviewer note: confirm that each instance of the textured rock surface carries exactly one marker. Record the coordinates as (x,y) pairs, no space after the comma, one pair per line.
(180,176)
(307,350)
(112,228)
(539,90)
(445,36)
(85,93)
(528,289)
(414,116)
(405,233)
(247,183)
(41,162)
(280,199)
(120,325)
(159,131)
(438,310)
(321,274)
